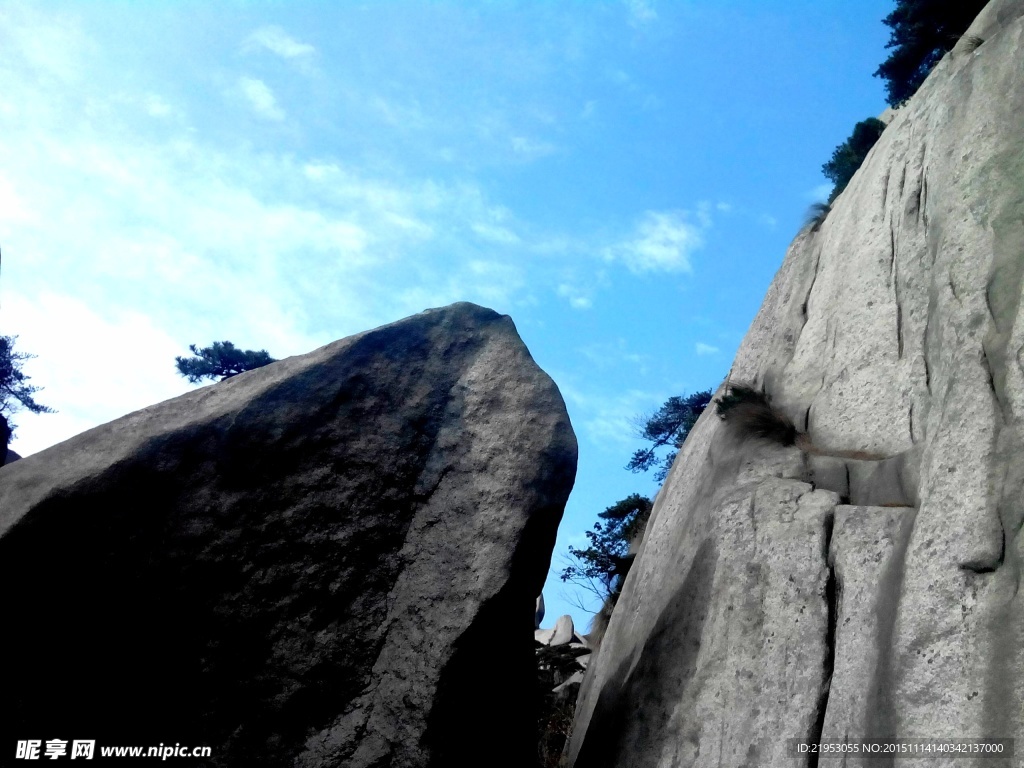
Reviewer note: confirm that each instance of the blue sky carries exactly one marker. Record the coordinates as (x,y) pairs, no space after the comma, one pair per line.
(622,178)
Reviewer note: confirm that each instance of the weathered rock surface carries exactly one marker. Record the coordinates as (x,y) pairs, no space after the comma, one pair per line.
(310,564)
(780,594)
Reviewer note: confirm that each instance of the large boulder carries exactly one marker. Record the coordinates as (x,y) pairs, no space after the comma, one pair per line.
(312,564)
(864,583)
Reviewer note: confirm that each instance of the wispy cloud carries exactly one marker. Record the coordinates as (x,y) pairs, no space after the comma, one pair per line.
(607,420)
(495,234)
(641,12)
(531,149)
(277,41)
(156,106)
(260,98)
(663,241)
(68,337)
(614,353)
(577,298)
(705,349)
(820,192)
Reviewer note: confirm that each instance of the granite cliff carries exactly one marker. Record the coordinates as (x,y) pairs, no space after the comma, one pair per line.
(865,583)
(314,563)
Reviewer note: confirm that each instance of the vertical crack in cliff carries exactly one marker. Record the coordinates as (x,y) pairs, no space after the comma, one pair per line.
(987,365)
(931,325)
(832,590)
(894,281)
(920,192)
(892,253)
(807,298)
(899,329)
(880,707)
(923,198)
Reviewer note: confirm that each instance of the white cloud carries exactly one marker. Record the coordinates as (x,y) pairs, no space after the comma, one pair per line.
(200,239)
(641,12)
(318,171)
(614,353)
(260,98)
(767,220)
(662,242)
(706,349)
(277,41)
(491,283)
(13,211)
(531,149)
(607,420)
(820,192)
(52,44)
(723,207)
(82,365)
(577,299)
(495,234)
(156,106)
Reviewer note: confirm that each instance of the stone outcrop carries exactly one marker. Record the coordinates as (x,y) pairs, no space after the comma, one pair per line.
(309,564)
(562,656)
(864,584)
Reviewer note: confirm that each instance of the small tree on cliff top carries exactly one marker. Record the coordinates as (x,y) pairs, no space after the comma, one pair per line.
(220,360)
(849,156)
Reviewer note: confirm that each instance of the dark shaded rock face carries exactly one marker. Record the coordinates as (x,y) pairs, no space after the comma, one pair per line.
(315,563)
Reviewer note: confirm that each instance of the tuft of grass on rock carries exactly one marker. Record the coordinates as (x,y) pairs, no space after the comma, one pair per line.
(750,415)
(816,216)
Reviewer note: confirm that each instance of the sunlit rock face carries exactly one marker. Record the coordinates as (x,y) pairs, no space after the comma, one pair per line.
(868,587)
(315,563)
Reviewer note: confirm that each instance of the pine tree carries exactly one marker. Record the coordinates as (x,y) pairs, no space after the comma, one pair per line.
(922,32)
(668,426)
(220,360)
(15,391)
(602,567)
(849,156)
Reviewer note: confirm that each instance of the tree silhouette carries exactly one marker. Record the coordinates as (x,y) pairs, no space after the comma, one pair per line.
(15,391)
(220,360)
(922,32)
(849,156)
(668,426)
(602,567)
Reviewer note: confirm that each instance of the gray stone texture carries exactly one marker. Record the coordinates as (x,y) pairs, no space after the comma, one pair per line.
(868,587)
(311,564)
